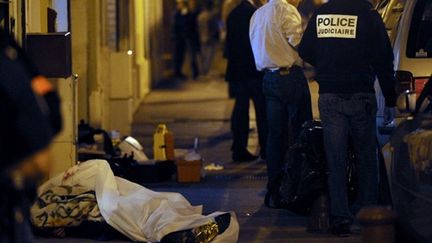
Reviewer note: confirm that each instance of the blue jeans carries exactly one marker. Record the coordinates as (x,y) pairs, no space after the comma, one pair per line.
(288,102)
(344,116)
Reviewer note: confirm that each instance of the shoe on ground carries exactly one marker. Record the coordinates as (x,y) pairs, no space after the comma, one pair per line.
(244,156)
(180,76)
(342,229)
(274,201)
(223,221)
(202,234)
(263,155)
(262,160)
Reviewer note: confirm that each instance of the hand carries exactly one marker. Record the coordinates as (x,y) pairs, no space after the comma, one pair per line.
(389,115)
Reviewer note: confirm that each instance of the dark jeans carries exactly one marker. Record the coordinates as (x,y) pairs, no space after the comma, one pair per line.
(243,92)
(343,116)
(182,47)
(288,102)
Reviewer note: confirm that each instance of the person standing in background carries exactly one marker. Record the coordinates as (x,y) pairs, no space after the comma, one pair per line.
(227,7)
(275,31)
(307,8)
(186,37)
(208,25)
(245,82)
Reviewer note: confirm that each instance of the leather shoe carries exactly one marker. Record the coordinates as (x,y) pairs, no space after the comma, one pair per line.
(205,233)
(263,155)
(273,200)
(244,156)
(342,229)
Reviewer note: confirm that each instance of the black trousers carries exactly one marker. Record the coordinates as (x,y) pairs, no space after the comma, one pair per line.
(184,46)
(243,92)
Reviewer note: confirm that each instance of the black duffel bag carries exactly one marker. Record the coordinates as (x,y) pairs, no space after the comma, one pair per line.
(305,176)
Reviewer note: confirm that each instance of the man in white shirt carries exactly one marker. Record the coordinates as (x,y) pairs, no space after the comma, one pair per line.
(275,31)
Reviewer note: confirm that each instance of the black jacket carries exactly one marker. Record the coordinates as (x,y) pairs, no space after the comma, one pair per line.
(238,49)
(186,29)
(347,42)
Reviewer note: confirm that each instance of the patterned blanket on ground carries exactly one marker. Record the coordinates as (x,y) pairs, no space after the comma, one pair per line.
(65,206)
(138,213)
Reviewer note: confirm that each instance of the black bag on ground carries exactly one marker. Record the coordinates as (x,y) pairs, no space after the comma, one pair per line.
(86,136)
(306,173)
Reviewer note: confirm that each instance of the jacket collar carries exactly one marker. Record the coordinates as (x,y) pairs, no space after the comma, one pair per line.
(248,2)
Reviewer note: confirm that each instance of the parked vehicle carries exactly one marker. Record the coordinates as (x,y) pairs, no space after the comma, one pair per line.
(409,25)
(408,160)
(407,154)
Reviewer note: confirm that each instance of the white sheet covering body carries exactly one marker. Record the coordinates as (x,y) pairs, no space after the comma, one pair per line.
(139,213)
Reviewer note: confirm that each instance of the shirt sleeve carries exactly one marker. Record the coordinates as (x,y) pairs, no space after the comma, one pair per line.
(291,24)
(381,54)
(308,44)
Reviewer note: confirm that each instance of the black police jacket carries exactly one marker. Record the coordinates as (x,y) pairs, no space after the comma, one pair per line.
(347,42)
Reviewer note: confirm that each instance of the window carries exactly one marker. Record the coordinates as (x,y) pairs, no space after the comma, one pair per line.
(117,27)
(420,35)
(58,16)
(111,27)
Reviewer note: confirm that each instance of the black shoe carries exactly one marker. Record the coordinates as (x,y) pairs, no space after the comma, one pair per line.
(267,199)
(180,76)
(342,229)
(263,155)
(223,221)
(244,156)
(274,201)
(204,233)
(184,236)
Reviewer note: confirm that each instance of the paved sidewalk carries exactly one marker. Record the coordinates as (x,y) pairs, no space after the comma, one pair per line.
(202,109)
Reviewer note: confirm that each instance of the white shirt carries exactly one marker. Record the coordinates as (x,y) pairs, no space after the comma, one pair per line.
(275,29)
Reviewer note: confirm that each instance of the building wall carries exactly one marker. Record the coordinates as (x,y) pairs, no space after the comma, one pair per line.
(80,46)
(113,79)
(63,146)
(105,70)
(157,33)
(119,79)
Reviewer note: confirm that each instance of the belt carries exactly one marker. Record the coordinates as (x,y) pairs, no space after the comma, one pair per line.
(281,70)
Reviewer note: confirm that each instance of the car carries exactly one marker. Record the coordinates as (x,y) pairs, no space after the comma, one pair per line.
(408,160)
(409,25)
(406,152)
